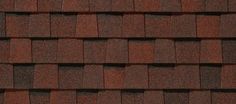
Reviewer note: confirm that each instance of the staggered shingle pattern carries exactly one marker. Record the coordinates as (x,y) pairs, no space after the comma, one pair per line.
(117,52)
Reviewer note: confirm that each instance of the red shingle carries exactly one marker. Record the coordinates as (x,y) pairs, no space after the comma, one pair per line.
(6,76)
(46,76)
(26,5)
(23,76)
(70,51)
(63,25)
(176,98)
(86,25)
(187,51)
(17,25)
(211,51)
(136,76)
(86,97)
(216,5)
(39,25)
(183,25)
(228,76)
(114,77)
(133,25)
(164,51)
(227,25)
(16,97)
(94,51)
(200,97)
(44,51)
(5,52)
(109,97)
(117,51)
(75,5)
(2,24)
(170,5)
(109,25)
(70,77)
(39,97)
(100,5)
(20,51)
(147,5)
(93,76)
(141,51)
(122,5)
(63,97)
(210,77)
(153,97)
(208,26)
(49,5)
(158,25)
(7,5)
(223,98)
(193,5)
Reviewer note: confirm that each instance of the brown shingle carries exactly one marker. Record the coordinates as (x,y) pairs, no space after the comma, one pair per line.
(46,76)
(158,25)
(17,25)
(176,98)
(193,5)
(132,97)
(117,51)
(70,77)
(200,97)
(109,97)
(86,25)
(26,5)
(63,97)
(7,5)
(170,5)
(6,76)
(227,25)
(228,76)
(39,25)
(44,51)
(164,51)
(86,97)
(23,76)
(100,5)
(2,24)
(110,25)
(49,5)
(122,5)
(229,48)
(39,97)
(16,97)
(63,25)
(70,51)
(183,25)
(147,5)
(153,97)
(208,26)
(5,52)
(187,51)
(133,25)
(223,98)
(93,76)
(136,76)
(94,51)
(210,77)
(114,77)
(211,51)
(75,5)
(231,5)
(20,51)
(141,51)
(216,5)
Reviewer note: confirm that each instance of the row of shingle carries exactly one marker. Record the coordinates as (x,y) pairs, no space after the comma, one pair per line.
(117,51)
(54,76)
(117,25)
(116,97)
(118,5)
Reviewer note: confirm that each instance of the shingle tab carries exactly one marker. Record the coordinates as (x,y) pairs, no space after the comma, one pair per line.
(210,76)
(23,76)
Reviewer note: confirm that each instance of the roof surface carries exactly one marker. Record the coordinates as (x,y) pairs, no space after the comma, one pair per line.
(117,52)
